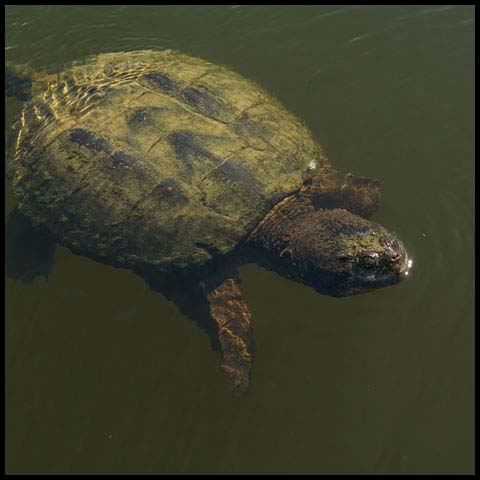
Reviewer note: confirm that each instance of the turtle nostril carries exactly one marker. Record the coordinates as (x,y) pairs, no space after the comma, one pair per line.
(395,257)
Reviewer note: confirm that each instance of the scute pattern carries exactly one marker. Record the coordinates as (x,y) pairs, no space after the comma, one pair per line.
(155,158)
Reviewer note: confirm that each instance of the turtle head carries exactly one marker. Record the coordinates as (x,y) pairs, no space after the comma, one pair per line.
(343,254)
(338,253)
(354,255)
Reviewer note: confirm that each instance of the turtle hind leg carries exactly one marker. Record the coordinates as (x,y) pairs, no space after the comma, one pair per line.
(28,251)
(17,85)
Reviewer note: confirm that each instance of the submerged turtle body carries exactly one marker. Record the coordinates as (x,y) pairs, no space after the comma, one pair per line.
(164,164)
(155,158)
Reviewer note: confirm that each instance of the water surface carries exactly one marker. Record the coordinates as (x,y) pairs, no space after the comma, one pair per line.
(105,376)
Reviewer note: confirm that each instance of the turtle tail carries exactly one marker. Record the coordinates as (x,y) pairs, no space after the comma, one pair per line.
(18,82)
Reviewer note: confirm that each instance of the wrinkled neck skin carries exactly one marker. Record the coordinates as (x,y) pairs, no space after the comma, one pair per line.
(327,249)
(283,237)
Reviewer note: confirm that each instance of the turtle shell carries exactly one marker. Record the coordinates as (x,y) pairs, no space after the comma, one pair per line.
(155,158)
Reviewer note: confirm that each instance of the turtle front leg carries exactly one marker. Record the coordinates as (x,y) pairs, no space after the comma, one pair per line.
(215,304)
(332,189)
(233,320)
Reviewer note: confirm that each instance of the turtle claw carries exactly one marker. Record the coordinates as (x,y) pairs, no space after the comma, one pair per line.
(240,375)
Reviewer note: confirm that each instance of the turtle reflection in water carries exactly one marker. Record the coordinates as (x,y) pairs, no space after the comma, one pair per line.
(181,170)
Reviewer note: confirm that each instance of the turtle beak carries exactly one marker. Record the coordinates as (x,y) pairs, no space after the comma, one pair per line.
(398,261)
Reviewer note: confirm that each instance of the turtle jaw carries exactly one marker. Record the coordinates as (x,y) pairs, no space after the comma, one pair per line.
(397,266)
(398,262)
(392,266)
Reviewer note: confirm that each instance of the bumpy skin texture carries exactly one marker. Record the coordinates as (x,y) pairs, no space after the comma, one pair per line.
(155,158)
(332,250)
(233,319)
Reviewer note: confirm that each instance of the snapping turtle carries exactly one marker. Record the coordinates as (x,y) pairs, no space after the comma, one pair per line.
(180,170)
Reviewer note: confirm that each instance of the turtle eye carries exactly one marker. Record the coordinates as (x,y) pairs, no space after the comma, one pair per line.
(368,262)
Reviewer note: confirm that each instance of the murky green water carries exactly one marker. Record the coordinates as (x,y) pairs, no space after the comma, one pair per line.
(105,376)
